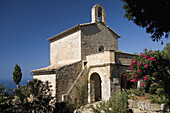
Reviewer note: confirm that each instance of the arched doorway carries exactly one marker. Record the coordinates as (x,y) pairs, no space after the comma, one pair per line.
(95,87)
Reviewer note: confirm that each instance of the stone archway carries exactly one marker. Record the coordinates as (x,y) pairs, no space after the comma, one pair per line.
(95,87)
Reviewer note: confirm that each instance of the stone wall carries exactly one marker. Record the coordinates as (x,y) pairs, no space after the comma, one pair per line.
(122,62)
(96,35)
(79,92)
(101,58)
(65,77)
(66,50)
(123,58)
(146,107)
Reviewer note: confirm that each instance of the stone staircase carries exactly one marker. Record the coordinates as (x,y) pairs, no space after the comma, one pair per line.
(69,96)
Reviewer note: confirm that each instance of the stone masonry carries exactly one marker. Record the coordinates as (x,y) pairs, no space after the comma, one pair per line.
(146,107)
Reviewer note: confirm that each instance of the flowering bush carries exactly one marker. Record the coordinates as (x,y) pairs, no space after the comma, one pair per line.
(150,66)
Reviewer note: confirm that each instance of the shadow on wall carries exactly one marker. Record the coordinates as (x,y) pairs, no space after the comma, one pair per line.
(93,29)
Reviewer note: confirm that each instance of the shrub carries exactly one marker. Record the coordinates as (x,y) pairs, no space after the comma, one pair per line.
(153,88)
(132,93)
(150,67)
(63,107)
(158,98)
(35,97)
(5,100)
(116,104)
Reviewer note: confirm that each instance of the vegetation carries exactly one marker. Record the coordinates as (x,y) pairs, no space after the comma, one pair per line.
(132,93)
(81,94)
(116,104)
(153,69)
(157,94)
(63,107)
(17,75)
(149,14)
(166,51)
(5,100)
(35,97)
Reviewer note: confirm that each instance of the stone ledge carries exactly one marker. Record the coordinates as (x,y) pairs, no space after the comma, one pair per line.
(141,107)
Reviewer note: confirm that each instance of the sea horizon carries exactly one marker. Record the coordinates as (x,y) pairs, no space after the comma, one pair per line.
(9,84)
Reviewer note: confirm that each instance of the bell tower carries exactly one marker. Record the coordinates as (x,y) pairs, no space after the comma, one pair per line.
(98,14)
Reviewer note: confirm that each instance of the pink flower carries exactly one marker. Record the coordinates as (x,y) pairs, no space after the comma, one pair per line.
(139,71)
(145,77)
(138,64)
(152,59)
(141,54)
(143,84)
(145,49)
(127,79)
(146,66)
(133,80)
(145,56)
(134,61)
(124,75)
(136,76)
(138,79)
(130,68)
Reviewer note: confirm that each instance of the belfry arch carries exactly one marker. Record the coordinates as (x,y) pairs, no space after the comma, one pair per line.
(95,87)
(98,13)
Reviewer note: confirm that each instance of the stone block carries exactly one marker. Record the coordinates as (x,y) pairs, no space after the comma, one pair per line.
(138,111)
(140,105)
(147,106)
(155,107)
(130,103)
(134,103)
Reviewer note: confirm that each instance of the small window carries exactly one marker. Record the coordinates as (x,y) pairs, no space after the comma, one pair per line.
(85,62)
(101,48)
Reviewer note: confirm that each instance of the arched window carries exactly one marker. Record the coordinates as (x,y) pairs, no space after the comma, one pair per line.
(101,48)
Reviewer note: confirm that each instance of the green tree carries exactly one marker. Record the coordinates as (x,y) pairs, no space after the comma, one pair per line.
(166,51)
(5,100)
(36,97)
(149,14)
(17,75)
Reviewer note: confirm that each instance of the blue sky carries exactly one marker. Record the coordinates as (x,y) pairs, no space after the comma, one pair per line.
(26,24)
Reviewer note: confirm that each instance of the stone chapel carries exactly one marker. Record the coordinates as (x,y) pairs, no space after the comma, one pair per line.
(86,54)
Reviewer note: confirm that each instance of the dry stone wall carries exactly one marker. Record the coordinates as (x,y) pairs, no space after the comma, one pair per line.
(146,107)
(65,77)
